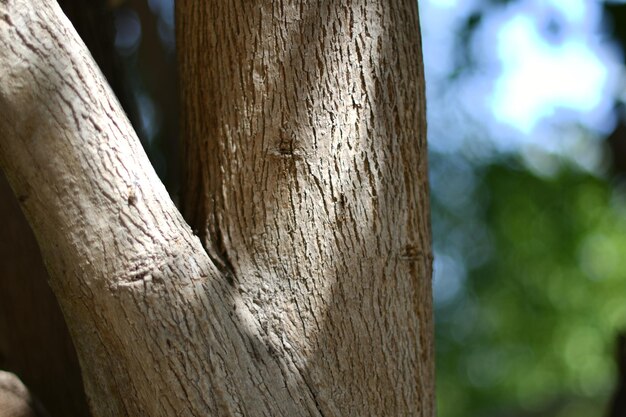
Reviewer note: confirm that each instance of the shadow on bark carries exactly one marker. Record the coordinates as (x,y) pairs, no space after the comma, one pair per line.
(387,309)
(364,317)
(317,116)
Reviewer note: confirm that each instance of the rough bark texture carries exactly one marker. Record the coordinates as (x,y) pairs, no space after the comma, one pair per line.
(308,186)
(123,264)
(34,340)
(304,127)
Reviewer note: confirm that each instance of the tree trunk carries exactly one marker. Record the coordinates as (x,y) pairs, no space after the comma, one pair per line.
(306,180)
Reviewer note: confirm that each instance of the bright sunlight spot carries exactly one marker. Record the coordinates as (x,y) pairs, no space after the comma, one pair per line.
(536,67)
(444,3)
(538,77)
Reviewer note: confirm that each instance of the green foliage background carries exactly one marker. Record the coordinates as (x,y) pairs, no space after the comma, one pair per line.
(534,325)
(530,289)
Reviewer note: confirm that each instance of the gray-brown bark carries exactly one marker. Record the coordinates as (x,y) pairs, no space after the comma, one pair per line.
(307,181)
(34,340)
(306,177)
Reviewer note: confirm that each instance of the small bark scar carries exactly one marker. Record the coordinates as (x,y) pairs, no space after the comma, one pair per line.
(135,282)
(144,274)
(412,253)
(287,147)
(132,198)
(133,194)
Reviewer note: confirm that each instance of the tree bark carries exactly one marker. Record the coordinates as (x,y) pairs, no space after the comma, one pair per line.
(34,340)
(305,141)
(305,148)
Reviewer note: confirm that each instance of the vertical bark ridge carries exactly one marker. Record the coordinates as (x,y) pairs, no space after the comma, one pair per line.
(304,135)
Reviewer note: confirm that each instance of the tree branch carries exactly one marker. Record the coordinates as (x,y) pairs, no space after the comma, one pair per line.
(71,155)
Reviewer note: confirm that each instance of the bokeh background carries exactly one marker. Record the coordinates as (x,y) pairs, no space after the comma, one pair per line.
(527,135)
